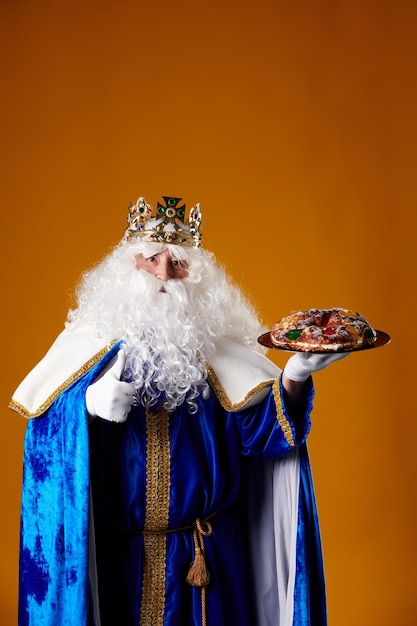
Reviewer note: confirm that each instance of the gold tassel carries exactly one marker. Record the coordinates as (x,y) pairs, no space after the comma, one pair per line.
(198,574)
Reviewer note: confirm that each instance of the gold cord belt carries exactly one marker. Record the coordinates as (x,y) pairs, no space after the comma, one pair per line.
(167,531)
(198,574)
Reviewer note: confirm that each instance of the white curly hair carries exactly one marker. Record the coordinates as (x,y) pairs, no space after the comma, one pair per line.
(168,337)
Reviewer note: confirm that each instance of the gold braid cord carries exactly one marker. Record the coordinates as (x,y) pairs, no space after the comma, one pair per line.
(281,417)
(158,482)
(198,575)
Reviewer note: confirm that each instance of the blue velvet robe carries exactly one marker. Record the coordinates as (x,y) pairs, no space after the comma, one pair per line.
(205,459)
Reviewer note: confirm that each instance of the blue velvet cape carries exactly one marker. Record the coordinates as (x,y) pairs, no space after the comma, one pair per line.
(54,584)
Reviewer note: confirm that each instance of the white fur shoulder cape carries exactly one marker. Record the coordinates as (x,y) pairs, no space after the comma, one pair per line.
(241,376)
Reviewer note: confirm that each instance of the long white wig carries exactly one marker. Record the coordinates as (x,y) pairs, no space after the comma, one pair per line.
(168,336)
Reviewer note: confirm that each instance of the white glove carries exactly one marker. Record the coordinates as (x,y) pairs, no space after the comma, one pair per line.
(109,397)
(300,366)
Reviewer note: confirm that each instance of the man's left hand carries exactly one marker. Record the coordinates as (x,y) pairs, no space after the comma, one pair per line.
(300,366)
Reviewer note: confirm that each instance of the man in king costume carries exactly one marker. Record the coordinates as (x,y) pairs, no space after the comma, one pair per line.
(166,474)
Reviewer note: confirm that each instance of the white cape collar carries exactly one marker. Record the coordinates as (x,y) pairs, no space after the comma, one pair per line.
(240,376)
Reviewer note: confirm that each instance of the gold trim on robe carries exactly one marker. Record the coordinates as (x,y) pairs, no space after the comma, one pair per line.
(158,485)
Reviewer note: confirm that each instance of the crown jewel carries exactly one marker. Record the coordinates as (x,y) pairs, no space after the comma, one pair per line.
(168,225)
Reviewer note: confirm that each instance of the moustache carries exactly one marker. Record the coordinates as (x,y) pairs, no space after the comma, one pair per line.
(152,288)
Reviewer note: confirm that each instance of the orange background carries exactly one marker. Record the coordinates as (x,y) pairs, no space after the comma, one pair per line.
(294,125)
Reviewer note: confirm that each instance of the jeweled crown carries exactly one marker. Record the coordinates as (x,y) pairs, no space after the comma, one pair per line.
(168,225)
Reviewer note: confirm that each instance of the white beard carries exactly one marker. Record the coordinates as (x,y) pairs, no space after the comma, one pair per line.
(165,341)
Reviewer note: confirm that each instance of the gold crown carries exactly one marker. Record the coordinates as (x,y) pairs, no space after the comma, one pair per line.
(168,225)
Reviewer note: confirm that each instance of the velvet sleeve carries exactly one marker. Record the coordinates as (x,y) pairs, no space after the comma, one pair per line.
(267,430)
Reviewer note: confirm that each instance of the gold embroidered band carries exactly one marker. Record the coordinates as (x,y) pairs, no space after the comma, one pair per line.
(281,417)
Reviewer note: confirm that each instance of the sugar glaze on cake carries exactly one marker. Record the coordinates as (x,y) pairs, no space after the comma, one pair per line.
(323,330)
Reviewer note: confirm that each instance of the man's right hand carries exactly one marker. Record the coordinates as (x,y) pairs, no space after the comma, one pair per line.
(109,397)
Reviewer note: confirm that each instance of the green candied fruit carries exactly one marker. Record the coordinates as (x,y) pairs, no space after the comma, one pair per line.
(293,334)
(370,335)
